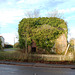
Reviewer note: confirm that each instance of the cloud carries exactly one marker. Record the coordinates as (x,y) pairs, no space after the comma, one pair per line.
(9,3)
(71,33)
(68,10)
(10,16)
(71,18)
(21,1)
(66,4)
(32,1)
(28,1)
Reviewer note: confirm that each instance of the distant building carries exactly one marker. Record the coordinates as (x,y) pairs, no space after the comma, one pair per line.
(2,39)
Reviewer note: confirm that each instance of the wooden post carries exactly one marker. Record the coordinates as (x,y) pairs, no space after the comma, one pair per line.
(67,49)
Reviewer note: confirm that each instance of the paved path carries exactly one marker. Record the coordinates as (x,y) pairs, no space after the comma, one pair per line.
(9,50)
(32,70)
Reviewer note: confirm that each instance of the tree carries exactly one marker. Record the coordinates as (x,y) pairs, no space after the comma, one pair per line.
(72,42)
(55,13)
(32,14)
(16,45)
(36,13)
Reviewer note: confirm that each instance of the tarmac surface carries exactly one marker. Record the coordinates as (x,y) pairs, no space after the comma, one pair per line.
(35,69)
(9,49)
(37,64)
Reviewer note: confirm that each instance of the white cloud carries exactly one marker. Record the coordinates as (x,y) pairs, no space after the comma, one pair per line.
(9,3)
(29,1)
(68,10)
(10,16)
(71,33)
(66,4)
(32,1)
(70,18)
(3,24)
(21,1)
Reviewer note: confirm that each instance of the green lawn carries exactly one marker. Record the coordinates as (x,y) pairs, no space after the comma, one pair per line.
(11,48)
(12,55)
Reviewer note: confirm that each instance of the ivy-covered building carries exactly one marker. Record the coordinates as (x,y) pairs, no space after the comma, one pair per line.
(43,35)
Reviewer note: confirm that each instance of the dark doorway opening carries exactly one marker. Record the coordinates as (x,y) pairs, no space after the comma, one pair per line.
(33,49)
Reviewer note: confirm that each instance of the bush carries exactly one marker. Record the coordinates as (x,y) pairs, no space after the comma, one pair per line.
(9,46)
(16,45)
(71,48)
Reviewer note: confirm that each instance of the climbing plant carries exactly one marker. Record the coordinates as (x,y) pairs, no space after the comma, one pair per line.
(43,30)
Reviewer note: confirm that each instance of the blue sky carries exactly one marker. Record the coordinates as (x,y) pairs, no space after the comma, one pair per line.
(12,11)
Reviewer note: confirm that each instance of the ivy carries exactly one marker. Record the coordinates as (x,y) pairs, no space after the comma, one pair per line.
(43,30)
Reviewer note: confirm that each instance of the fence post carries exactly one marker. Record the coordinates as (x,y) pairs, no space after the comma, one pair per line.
(67,49)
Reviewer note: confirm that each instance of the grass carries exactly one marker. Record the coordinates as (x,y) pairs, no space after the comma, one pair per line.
(12,56)
(11,48)
(22,57)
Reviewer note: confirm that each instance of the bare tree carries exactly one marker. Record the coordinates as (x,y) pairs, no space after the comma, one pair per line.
(36,13)
(32,14)
(28,14)
(55,13)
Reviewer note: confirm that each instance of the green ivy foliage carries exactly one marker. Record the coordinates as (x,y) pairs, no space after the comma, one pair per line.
(43,30)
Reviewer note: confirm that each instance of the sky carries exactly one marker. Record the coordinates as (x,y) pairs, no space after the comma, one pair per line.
(13,11)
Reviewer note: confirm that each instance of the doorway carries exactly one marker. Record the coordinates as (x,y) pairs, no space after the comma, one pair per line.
(33,49)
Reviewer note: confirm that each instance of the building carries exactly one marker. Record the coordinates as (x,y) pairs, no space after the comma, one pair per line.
(2,39)
(60,46)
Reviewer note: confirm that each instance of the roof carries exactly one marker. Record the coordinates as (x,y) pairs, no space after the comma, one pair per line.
(2,37)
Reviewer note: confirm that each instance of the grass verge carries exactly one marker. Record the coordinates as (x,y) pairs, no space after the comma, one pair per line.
(22,57)
(12,56)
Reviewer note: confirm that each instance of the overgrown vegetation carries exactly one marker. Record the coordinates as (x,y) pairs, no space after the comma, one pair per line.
(16,45)
(71,48)
(22,57)
(43,30)
(8,46)
(12,56)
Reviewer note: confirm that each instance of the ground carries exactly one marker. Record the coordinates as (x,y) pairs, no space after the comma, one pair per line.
(33,70)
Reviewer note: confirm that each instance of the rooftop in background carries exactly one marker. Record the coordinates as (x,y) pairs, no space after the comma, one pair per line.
(2,37)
